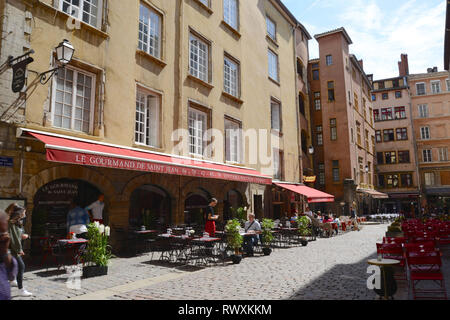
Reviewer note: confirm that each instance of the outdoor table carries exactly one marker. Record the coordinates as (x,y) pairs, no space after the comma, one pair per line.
(384,263)
(178,247)
(146,232)
(77,245)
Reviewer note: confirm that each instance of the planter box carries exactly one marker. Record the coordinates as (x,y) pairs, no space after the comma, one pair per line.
(94,271)
(394,234)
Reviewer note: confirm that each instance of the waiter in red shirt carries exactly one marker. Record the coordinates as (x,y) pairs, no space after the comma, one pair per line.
(211,218)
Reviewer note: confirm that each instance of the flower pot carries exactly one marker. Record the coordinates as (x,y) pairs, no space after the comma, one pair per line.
(304,242)
(236,259)
(94,271)
(267,251)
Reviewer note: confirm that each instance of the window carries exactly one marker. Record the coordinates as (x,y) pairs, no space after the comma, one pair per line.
(352,134)
(276,115)
(317,101)
(231,77)
(199,58)
(300,68)
(358,133)
(398,94)
(406,180)
(367,139)
(277,164)
(374,97)
(273,65)
(322,176)
(373,144)
(319,135)
(403,157)
(333,126)
(429,179)
(88,11)
(385,96)
(392,180)
(380,158)
(197,130)
(388,135)
(336,174)
(301,102)
(147,128)
(73,100)
(386,114)
(402,134)
(330,90)
(427,156)
(423,110)
(329,60)
(233,141)
(376,115)
(230,13)
(271,28)
(443,154)
(436,86)
(369,174)
(370,115)
(447,81)
(149,31)
(390,157)
(378,137)
(400,113)
(421,89)
(315,74)
(425,133)
(355,101)
(381,181)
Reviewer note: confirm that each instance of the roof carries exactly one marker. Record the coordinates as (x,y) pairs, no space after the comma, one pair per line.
(339,30)
(293,18)
(428,75)
(356,62)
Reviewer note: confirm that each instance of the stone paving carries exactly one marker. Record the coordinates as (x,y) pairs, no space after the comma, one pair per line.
(327,269)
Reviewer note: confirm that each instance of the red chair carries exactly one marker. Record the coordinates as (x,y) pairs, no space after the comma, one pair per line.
(426,268)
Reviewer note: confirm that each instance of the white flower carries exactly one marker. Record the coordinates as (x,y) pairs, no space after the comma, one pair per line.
(107,231)
(192,231)
(101,228)
(245,209)
(97,224)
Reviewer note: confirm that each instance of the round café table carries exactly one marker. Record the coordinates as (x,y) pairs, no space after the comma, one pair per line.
(383,263)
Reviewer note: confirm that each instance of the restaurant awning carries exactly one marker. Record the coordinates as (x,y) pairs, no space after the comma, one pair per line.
(374,194)
(313,195)
(65,149)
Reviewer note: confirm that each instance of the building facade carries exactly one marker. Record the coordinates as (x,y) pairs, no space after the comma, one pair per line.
(154,79)
(342,123)
(430,101)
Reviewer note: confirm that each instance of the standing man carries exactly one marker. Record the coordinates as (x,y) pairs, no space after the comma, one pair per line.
(211,218)
(77,220)
(96,209)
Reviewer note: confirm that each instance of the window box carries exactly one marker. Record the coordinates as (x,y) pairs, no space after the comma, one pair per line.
(153,59)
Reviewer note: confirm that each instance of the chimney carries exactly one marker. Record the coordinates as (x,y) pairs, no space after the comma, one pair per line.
(435,69)
(361,63)
(403,66)
(430,70)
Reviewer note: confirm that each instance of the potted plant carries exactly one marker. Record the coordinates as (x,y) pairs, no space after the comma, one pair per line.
(267,237)
(234,239)
(304,228)
(240,214)
(98,252)
(394,230)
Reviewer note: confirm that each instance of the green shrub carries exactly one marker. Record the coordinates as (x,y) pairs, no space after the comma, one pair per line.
(267,225)
(234,238)
(98,252)
(304,226)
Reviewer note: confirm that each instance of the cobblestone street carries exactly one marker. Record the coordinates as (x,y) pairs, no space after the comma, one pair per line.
(332,269)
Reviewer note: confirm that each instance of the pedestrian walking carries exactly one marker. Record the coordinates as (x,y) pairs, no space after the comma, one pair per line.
(8,265)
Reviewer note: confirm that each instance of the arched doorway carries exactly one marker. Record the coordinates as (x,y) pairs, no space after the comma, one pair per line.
(52,203)
(150,205)
(233,200)
(194,207)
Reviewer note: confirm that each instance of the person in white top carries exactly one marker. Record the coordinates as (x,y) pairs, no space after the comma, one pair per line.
(96,209)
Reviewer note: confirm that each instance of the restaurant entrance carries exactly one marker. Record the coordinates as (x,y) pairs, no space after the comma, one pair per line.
(233,200)
(194,207)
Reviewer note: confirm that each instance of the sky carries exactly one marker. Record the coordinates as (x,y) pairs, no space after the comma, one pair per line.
(381,30)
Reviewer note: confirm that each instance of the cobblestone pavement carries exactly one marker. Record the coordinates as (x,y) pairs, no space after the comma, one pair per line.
(327,269)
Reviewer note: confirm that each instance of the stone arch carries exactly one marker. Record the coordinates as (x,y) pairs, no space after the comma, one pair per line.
(148,178)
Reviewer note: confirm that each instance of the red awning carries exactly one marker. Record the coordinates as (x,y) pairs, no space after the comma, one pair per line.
(314,196)
(65,149)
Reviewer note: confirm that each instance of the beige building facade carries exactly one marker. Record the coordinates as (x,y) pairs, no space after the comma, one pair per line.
(153,77)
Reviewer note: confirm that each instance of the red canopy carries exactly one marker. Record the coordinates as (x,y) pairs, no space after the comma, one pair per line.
(314,196)
(65,149)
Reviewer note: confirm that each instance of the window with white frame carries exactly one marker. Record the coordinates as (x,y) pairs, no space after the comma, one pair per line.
(443,154)
(436,86)
(230,12)
(427,155)
(205,2)
(421,89)
(197,130)
(150,31)
(329,60)
(319,130)
(447,81)
(423,110)
(273,65)
(198,58)
(73,100)
(275,108)
(271,28)
(89,11)
(231,77)
(233,141)
(147,128)
(429,179)
(425,133)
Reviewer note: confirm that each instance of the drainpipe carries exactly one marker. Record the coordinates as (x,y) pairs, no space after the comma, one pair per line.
(300,164)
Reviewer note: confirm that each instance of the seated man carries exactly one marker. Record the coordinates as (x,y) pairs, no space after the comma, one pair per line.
(253,227)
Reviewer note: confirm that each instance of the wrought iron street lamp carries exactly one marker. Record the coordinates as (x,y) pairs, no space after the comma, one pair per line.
(311,150)
(64,54)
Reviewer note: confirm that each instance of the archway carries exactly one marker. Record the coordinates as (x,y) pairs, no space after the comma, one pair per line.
(233,200)
(194,207)
(150,205)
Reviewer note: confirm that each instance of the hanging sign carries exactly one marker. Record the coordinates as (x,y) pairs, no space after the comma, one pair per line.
(310,179)
(19,74)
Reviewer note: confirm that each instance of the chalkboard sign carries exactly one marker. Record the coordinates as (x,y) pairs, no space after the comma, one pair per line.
(6,162)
